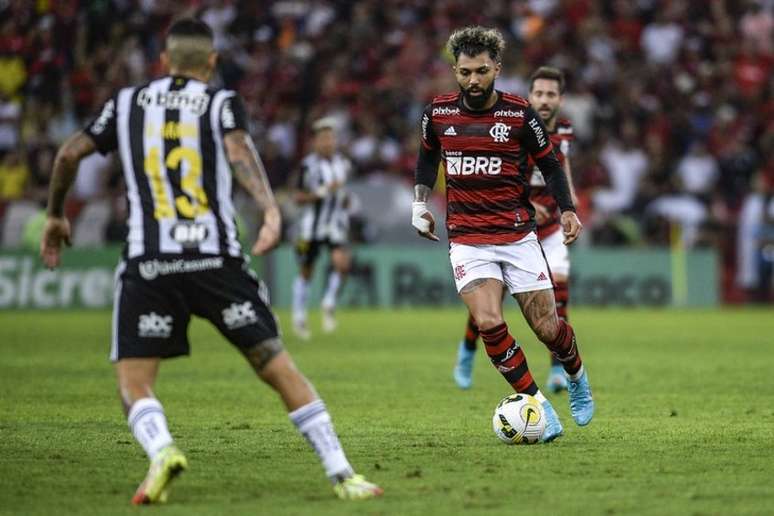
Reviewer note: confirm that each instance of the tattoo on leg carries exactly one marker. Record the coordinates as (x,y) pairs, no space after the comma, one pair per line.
(262,353)
(473,285)
(539,310)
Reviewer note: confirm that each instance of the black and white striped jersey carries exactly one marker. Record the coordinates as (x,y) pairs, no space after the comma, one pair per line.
(328,217)
(169,136)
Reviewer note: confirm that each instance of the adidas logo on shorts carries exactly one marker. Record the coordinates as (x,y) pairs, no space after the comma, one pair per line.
(542,277)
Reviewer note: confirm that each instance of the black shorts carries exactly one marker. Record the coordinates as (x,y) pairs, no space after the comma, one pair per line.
(307,251)
(155,297)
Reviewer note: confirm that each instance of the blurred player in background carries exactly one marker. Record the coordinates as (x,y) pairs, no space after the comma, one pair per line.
(324,222)
(486,139)
(179,142)
(545,97)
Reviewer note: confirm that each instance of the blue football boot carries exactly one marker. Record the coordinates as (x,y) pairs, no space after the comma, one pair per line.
(463,371)
(553,425)
(581,402)
(557,379)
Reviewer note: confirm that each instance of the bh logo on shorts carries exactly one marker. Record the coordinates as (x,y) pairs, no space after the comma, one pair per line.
(155,325)
(499,132)
(239,315)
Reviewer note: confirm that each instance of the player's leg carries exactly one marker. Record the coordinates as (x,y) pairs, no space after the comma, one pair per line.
(149,322)
(237,304)
(483,298)
(306,253)
(539,309)
(341,262)
(466,354)
(558,259)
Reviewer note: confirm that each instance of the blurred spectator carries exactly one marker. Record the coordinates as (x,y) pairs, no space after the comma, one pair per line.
(14,174)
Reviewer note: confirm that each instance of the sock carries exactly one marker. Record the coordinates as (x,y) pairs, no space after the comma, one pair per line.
(575,377)
(471,334)
(508,358)
(565,349)
(300,295)
(149,425)
(562,296)
(314,423)
(329,299)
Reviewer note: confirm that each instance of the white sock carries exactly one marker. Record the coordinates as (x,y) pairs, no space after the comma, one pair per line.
(149,425)
(314,423)
(300,295)
(334,282)
(575,377)
(539,396)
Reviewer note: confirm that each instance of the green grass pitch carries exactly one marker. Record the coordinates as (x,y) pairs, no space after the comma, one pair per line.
(684,422)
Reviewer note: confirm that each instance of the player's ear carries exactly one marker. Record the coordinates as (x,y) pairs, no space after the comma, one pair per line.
(498,67)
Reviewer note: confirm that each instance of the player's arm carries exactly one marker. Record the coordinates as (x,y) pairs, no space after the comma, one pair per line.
(539,146)
(303,194)
(251,174)
(57,229)
(99,135)
(425,176)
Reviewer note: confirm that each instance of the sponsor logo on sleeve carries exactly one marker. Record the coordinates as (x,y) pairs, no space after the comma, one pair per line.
(541,136)
(101,123)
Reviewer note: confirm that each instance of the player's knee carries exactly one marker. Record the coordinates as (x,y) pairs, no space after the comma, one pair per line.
(263,353)
(488,321)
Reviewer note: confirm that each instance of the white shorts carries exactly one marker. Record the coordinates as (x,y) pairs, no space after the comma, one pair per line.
(556,253)
(520,265)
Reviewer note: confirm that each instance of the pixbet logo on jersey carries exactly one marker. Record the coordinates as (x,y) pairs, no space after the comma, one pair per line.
(473,165)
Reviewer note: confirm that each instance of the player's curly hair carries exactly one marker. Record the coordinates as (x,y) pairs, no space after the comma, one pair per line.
(476,39)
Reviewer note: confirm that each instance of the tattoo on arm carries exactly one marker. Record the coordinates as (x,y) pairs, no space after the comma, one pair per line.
(248,168)
(422,193)
(65,169)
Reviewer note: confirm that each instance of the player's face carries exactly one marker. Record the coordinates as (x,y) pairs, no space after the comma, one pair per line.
(325,142)
(476,76)
(545,98)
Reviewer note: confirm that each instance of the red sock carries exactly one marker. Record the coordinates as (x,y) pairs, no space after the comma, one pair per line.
(508,358)
(565,349)
(471,334)
(562,296)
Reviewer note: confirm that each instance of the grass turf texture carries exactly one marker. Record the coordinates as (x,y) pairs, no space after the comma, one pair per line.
(684,422)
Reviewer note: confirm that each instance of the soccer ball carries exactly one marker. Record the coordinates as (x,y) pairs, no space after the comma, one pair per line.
(519,419)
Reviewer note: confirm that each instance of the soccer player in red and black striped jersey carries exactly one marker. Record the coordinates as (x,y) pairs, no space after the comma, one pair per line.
(545,96)
(485,139)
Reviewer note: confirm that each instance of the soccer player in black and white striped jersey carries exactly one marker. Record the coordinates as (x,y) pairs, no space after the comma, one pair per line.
(180,142)
(324,222)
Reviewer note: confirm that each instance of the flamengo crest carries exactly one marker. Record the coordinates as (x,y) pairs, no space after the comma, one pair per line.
(500,132)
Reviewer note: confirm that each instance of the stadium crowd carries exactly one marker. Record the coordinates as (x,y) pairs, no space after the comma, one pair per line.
(672,101)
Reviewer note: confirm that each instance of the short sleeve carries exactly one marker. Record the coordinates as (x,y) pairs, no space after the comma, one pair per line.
(103,128)
(233,115)
(535,135)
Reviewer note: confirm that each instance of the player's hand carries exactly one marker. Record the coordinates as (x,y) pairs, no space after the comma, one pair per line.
(423,220)
(541,213)
(571,227)
(269,234)
(55,233)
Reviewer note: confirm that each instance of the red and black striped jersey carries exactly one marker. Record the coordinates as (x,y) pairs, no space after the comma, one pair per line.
(486,162)
(561,137)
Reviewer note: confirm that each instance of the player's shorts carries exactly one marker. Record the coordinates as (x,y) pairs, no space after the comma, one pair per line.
(520,265)
(307,251)
(557,254)
(155,297)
